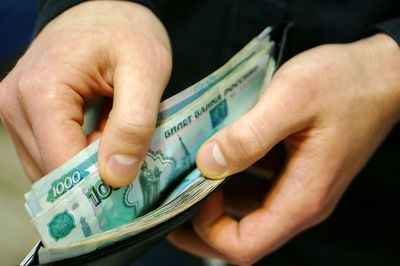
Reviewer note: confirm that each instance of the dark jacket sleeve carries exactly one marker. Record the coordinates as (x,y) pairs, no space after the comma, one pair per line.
(49,9)
(391,27)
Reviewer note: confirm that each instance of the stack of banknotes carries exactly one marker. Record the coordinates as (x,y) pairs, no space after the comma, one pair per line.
(75,212)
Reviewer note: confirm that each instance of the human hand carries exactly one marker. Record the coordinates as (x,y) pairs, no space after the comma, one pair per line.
(117,49)
(332,106)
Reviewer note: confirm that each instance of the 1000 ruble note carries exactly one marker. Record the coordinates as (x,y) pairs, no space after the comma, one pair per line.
(53,186)
(92,206)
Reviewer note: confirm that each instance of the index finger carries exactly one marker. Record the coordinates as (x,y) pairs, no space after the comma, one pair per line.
(55,115)
(296,201)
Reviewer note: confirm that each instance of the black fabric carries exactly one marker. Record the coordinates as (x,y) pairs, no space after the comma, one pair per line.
(364,228)
(49,9)
(391,27)
(205,33)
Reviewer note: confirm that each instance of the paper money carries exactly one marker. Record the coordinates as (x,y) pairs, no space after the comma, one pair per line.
(93,207)
(51,187)
(73,207)
(196,188)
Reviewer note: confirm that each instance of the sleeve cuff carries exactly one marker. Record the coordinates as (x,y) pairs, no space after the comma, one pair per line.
(390,27)
(49,9)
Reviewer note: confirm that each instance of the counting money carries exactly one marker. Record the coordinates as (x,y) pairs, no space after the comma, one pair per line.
(73,207)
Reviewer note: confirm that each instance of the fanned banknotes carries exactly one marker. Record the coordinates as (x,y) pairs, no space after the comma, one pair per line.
(75,212)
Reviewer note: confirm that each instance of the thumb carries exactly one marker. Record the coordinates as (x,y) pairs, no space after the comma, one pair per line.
(138,86)
(248,139)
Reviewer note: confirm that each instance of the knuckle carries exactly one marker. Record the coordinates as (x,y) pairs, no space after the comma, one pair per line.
(162,62)
(27,87)
(324,207)
(25,81)
(304,81)
(155,53)
(156,49)
(2,93)
(323,215)
(317,201)
(247,141)
(242,257)
(129,128)
(6,109)
(242,252)
(316,208)
(150,47)
(2,102)
(163,52)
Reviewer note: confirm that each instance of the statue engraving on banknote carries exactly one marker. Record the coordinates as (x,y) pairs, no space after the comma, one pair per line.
(155,165)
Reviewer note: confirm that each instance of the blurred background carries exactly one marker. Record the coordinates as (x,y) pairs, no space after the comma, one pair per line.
(17,235)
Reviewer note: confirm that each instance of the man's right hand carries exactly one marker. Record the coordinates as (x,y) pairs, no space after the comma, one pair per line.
(112,48)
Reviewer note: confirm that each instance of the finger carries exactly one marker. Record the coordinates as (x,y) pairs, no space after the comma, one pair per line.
(138,86)
(186,239)
(299,199)
(56,119)
(15,120)
(21,133)
(30,166)
(248,139)
(93,136)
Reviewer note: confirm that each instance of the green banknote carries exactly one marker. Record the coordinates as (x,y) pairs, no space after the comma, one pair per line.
(192,189)
(93,207)
(75,212)
(51,187)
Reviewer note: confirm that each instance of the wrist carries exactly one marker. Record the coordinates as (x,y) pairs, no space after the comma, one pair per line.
(379,57)
(111,21)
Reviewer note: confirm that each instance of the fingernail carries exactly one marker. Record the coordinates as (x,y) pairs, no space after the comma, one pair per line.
(121,167)
(212,160)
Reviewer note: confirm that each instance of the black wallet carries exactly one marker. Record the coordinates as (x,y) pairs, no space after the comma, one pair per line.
(126,251)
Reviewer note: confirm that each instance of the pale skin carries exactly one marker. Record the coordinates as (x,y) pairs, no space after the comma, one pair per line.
(332,106)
